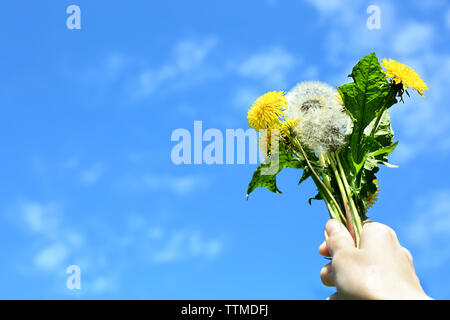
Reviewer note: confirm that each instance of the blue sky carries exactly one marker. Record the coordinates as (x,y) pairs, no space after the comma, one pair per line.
(85,123)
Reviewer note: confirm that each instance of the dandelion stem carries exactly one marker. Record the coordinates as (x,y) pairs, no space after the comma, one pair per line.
(330,206)
(356,216)
(326,177)
(348,211)
(318,180)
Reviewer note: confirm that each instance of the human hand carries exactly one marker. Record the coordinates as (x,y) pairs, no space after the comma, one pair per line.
(379,269)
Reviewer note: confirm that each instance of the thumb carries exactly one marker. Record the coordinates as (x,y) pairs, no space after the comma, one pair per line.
(337,237)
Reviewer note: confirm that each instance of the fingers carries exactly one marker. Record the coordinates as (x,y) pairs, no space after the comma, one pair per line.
(323,249)
(377,236)
(337,237)
(326,275)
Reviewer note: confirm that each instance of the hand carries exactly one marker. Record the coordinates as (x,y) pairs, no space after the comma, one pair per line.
(379,269)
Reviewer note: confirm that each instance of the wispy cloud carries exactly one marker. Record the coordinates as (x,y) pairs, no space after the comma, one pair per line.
(93,174)
(40,218)
(51,258)
(185,245)
(447,18)
(138,78)
(179,185)
(414,38)
(46,222)
(190,54)
(271,66)
(429,228)
(326,7)
(61,244)
(244,97)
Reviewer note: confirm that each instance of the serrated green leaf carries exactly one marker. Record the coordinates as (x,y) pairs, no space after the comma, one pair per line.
(364,99)
(262,178)
(305,175)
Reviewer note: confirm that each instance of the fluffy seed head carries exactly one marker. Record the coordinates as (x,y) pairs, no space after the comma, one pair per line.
(309,96)
(323,130)
(323,121)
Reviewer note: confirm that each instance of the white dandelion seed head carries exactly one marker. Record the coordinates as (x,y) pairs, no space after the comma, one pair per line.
(323,130)
(323,120)
(308,96)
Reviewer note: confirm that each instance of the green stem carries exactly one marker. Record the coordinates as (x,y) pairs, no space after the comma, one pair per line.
(318,180)
(326,177)
(356,216)
(348,211)
(330,206)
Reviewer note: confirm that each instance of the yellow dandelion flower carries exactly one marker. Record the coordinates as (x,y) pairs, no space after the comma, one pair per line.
(287,127)
(372,198)
(269,139)
(403,74)
(267,110)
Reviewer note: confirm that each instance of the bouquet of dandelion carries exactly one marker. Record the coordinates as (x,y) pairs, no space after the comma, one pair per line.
(337,137)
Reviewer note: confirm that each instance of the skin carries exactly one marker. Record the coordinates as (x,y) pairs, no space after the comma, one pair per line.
(380,269)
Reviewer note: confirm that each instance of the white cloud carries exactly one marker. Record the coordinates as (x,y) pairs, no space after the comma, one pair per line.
(271,66)
(155,233)
(425,122)
(185,245)
(75,239)
(188,59)
(40,218)
(114,64)
(60,244)
(102,284)
(190,54)
(413,38)
(137,78)
(447,18)
(52,257)
(71,163)
(180,185)
(326,7)
(93,174)
(148,81)
(244,97)
(429,228)
(33,215)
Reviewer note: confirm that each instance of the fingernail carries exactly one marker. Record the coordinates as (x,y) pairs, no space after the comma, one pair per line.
(326,235)
(332,227)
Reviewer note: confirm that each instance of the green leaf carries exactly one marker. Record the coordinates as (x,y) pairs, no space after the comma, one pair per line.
(306,174)
(384,150)
(364,99)
(384,133)
(265,174)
